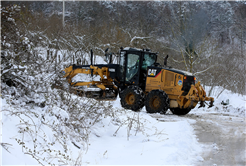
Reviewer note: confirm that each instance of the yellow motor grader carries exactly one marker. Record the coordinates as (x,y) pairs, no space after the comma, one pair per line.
(140,81)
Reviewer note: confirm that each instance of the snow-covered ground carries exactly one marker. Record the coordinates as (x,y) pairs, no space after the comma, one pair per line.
(150,142)
(127,138)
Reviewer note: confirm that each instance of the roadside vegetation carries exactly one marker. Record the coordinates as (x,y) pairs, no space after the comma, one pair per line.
(35,47)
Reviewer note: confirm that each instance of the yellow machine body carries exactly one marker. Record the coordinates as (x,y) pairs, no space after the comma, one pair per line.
(140,82)
(169,82)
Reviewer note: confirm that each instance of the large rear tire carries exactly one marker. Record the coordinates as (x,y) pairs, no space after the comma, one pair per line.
(132,98)
(179,111)
(157,101)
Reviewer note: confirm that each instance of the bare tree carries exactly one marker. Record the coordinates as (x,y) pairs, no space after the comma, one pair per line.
(190,38)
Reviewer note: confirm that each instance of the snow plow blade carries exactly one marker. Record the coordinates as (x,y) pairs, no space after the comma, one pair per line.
(99,90)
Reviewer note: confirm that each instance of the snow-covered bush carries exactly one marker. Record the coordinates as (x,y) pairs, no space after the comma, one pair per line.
(16,48)
(45,117)
(56,130)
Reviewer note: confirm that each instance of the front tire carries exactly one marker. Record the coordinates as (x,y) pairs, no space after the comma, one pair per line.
(179,111)
(132,98)
(157,101)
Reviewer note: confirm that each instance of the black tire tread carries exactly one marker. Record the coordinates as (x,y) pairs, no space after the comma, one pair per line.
(164,101)
(179,111)
(139,98)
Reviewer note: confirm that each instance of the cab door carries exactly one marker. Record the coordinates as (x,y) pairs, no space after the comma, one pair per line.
(132,68)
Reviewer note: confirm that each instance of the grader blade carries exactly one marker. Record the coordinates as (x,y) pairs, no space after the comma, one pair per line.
(99,90)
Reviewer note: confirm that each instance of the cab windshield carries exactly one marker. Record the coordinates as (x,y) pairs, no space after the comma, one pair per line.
(149,59)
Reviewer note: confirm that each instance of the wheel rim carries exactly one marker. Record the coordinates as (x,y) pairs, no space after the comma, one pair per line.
(130,99)
(155,103)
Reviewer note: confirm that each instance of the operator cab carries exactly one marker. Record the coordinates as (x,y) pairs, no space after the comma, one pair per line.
(133,66)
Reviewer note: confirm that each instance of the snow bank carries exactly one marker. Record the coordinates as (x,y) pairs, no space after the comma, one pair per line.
(236,106)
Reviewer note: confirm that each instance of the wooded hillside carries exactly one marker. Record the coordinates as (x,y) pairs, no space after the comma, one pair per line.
(205,38)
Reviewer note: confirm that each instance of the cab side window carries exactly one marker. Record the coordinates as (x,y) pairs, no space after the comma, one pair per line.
(132,66)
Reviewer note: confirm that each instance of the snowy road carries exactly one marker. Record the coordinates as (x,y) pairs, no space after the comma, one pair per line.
(222,136)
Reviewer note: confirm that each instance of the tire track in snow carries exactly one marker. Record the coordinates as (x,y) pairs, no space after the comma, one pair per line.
(223,137)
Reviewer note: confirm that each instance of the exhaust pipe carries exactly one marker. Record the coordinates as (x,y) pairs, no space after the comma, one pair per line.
(91,62)
(110,58)
(91,57)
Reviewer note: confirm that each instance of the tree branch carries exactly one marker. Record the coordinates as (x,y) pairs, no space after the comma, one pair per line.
(199,72)
(135,37)
(6,146)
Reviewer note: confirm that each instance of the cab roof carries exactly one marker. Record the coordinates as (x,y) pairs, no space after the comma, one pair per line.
(136,49)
